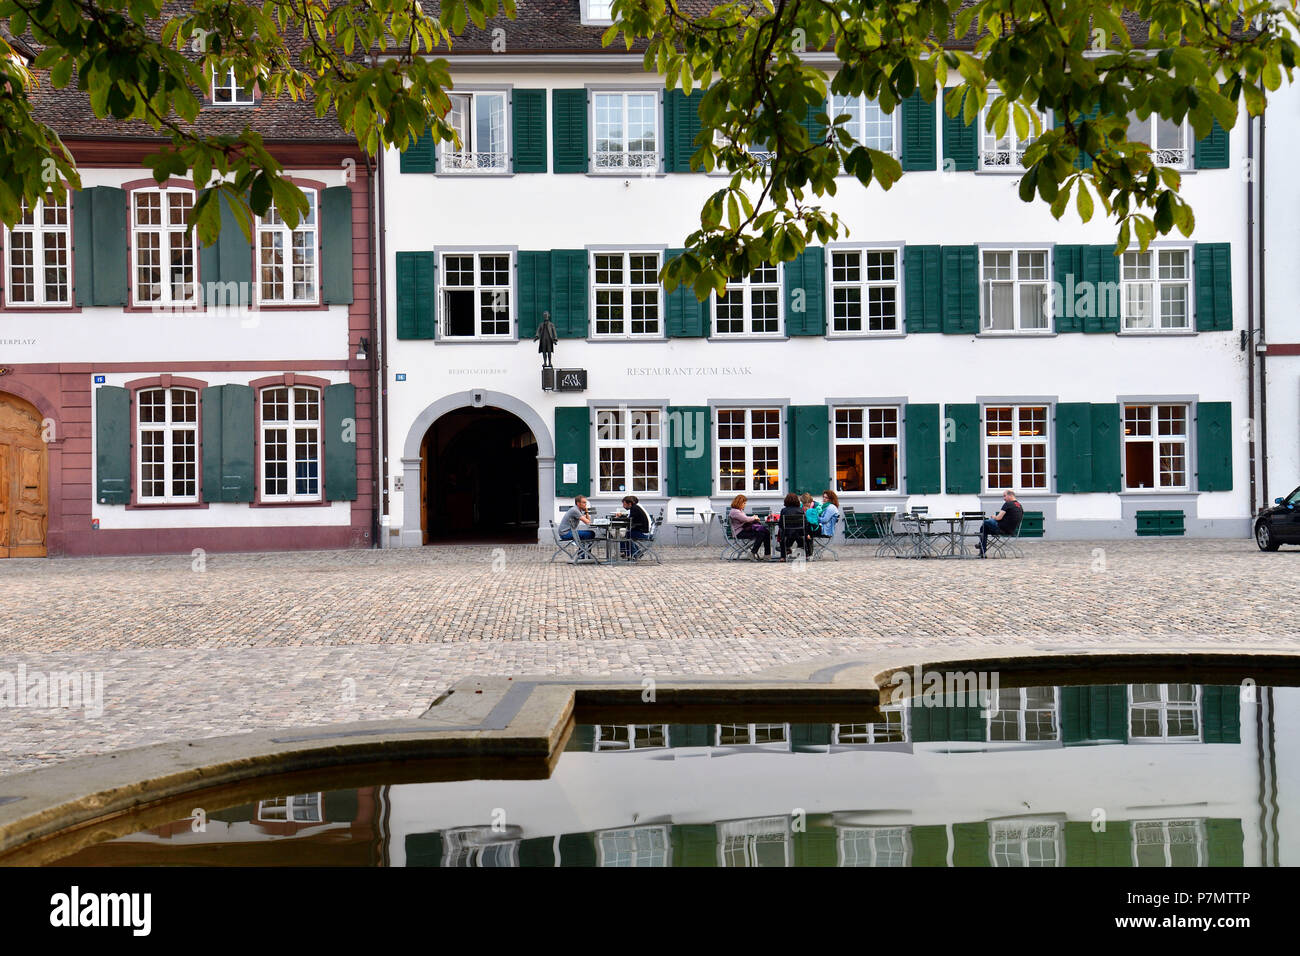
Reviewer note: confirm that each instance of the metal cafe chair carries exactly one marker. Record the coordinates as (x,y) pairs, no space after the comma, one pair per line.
(793,529)
(733,548)
(891,542)
(576,549)
(684,520)
(970,529)
(1006,545)
(645,547)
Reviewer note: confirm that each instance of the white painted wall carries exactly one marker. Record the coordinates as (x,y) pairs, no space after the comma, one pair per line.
(549,211)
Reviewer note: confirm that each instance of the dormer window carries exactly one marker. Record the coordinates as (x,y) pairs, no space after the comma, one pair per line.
(597,11)
(226,90)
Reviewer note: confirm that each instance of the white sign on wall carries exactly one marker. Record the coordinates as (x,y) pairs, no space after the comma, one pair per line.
(570,472)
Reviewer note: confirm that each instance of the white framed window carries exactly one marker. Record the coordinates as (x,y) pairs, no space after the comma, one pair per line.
(1015,447)
(626,294)
(1155,447)
(476,295)
(891,729)
(874,846)
(1156,290)
(1008,151)
(291,443)
(762,841)
(164,253)
(626,130)
(751,306)
(479,119)
(634,846)
(1170,142)
(631,737)
(286,258)
(1026,843)
(865,291)
(749,449)
(1015,287)
(1025,714)
(752,735)
(299,808)
(868,124)
(1170,843)
(628,454)
(866,448)
(597,11)
(479,847)
(1163,712)
(167,442)
(226,90)
(37,263)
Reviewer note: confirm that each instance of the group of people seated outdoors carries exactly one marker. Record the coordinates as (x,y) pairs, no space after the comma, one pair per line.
(638,525)
(800,521)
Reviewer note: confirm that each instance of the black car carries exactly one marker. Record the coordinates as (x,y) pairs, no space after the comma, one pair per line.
(1279,524)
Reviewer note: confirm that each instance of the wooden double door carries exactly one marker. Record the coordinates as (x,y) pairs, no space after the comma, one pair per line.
(24,480)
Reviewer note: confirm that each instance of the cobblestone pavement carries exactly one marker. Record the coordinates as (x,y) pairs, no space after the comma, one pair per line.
(253,641)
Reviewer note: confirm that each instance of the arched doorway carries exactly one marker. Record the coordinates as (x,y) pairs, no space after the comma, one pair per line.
(478,478)
(24,480)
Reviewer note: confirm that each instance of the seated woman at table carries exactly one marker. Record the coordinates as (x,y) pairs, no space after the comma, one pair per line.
(638,524)
(829,515)
(793,526)
(749,527)
(812,510)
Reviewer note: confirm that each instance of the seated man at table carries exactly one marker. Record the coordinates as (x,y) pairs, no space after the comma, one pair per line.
(569,525)
(638,525)
(1004,522)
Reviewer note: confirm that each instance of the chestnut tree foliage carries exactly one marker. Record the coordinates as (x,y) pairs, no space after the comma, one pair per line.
(376,65)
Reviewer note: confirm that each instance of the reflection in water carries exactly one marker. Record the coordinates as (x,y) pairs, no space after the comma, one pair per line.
(1135,775)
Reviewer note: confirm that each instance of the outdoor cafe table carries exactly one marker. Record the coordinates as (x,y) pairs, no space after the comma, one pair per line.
(956,545)
(610,530)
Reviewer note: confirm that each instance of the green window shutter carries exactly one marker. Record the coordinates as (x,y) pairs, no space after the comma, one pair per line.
(960,144)
(816,129)
(961,290)
(112,445)
(695,844)
(690,735)
(687,316)
(336,245)
(528,130)
(1083,160)
(1213,446)
(922,434)
(569,293)
(339,436)
(1101,269)
(810,449)
(806,738)
(970,844)
(1067,271)
(1213,267)
(537,852)
(1106,442)
(569,115)
(930,846)
(1221,714)
(681,126)
(210,442)
(578,849)
(572,446)
(534,288)
(1073,448)
(923,288)
(805,296)
(690,451)
(962,464)
(416,295)
(99,243)
(1111,847)
(1094,714)
(424,849)
(421,156)
(238,441)
(1212,152)
(920,133)
(228,260)
(1225,843)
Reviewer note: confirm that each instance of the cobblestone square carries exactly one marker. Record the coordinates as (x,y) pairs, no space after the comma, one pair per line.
(240,642)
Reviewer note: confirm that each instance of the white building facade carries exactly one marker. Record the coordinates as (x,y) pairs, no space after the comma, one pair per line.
(922,358)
